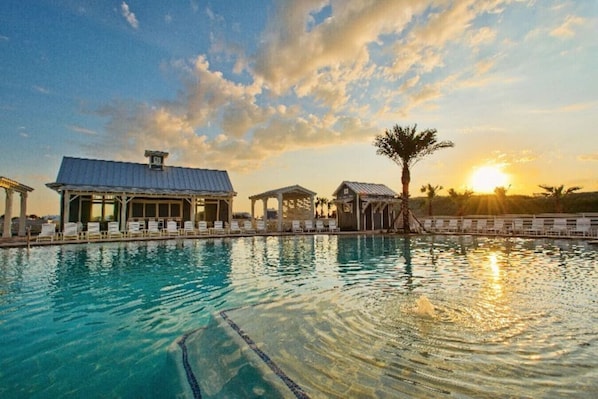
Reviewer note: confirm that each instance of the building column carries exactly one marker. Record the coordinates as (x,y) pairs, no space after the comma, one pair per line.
(312,207)
(279,211)
(6,231)
(66,208)
(358,212)
(265,206)
(23,215)
(123,213)
(193,206)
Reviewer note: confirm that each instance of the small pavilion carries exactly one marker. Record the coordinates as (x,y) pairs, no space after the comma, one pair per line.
(365,206)
(294,203)
(10,186)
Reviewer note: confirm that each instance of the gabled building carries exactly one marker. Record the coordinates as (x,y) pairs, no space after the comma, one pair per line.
(101,190)
(294,203)
(365,206)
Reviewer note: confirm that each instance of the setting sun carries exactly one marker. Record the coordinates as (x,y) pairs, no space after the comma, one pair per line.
(486,178)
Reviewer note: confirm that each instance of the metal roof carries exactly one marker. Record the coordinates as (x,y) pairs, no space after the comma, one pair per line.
(288,191)
(366,189)
(113,176)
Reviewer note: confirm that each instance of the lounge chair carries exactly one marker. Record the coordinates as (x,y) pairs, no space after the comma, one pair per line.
(202,228)
(439,225)
(498,227)
(48,232)
(172,229)
(218,227)
(537,227)
(517,226)
(466,225)
(133,229)
(559,227)
(248,227)
(319,225)
(296,226)
(93,231)
(428,224)
(480,226)
(582,226)
(332,227)
(452,226)
(188,228)
(308,225)
(234,228)
(153,229)
(260,227)
(114,230)
(70,231)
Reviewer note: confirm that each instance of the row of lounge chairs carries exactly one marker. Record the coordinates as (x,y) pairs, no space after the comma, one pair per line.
(73,231)
(538,226)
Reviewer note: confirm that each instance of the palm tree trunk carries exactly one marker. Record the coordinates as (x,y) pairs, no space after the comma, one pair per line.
(405,180)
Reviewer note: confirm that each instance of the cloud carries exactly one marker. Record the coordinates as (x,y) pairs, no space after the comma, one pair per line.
(310,83)
(41,89)
(566,29)
(589,157)
(82,130)
(4,38)
(129,16)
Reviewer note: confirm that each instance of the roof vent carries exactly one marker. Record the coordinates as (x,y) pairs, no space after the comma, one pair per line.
(156,159)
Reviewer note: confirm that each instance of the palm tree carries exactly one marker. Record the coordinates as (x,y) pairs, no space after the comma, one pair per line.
(405,146)
(431,192)
(558,193)
(460,199)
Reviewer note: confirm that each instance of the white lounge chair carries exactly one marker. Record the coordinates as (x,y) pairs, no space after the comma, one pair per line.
(582,227)
(439,225)
(428,224)
(70,231)
(48,232)
(332,227)
(498,227)
(153,229)
(308,225)
(171,228)
(234,227)
(559,227)
(248,227)
(296,226)
(319,225)
(260,227)
(218,227)
(481,226)
(517,226)
(202,227)
(188,228)
(133,229)
(466,225)
(452,226)
(114,230)
(93,231)
(537,227)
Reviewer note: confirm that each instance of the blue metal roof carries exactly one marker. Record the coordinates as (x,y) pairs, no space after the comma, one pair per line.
(113,176)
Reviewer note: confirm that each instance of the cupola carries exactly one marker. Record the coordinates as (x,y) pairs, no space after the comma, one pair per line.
(156,159)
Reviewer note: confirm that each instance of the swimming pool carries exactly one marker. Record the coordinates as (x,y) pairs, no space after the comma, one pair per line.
(513,317)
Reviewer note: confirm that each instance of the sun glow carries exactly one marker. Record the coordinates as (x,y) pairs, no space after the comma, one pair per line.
(486,178)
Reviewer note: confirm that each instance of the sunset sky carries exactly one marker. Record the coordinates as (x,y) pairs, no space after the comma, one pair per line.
(293,92)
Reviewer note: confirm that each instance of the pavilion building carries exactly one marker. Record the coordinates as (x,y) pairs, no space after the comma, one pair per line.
(103,190)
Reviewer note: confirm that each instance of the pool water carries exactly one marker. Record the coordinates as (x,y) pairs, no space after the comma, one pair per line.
(513,317)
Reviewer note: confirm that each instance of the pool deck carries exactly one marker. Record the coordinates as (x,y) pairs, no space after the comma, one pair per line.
(16,242)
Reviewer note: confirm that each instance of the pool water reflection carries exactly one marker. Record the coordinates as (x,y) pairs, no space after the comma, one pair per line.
(513,317)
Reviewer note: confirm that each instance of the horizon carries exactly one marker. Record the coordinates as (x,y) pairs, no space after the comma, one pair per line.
(285,93)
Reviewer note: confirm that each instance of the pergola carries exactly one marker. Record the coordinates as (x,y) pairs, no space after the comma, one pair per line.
(294,203)
(10,186)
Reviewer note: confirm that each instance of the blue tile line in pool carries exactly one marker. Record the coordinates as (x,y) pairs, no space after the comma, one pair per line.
(192,380)
(188,372)
(296,389)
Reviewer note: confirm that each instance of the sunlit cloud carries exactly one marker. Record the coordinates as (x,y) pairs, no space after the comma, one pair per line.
(567,28)
(129,16)
(82,130)
(589,157)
